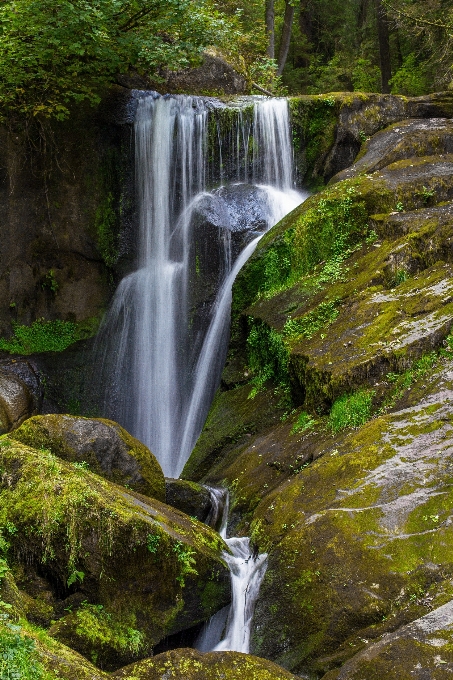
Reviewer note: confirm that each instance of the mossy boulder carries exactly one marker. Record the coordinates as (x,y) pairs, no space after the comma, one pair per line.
(191,498)
(145,570)
(423,648)
(102,445)
(188,664)
(403,140)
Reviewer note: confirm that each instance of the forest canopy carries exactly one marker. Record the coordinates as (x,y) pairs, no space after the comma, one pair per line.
(53,52)
(56,52)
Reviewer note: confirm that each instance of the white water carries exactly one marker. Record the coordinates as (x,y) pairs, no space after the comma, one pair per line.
(229,629)
(163,375)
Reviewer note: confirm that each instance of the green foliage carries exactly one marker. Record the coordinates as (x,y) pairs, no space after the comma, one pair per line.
(186,561)
(401,275)
(75,577)
(152,543)
(419,369)
(49,282)
(306,326)
(101,628)
(351,410)
(44,336)
(52,54)
(18,656)
(329,228)
(304,422)
(411,78)
(267,356)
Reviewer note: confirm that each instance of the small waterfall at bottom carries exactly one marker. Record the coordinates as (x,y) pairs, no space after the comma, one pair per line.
(229,629)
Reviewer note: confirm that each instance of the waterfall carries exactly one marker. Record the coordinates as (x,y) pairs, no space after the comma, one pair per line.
(163,348)
(229,628)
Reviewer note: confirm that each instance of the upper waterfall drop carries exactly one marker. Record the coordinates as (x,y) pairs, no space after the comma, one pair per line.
(164,339)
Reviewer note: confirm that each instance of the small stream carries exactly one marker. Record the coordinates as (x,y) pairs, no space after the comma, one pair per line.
(229,629)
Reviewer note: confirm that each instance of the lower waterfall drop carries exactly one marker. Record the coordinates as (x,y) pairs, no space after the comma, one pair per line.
(229,629)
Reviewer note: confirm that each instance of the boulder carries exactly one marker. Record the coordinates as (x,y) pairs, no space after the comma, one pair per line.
(420,649)
(188,664)
(403,140)
(191,498)
(329,129)
(357,525)
(17,401)
(145,570)
(102,445)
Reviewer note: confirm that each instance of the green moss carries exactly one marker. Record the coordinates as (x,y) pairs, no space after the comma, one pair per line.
(47,336)
(267,356)
(106,225)
(351,410)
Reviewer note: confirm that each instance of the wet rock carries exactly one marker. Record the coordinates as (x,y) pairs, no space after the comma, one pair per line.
(231,419)
(145,570)
(357,538)
(420,649)
(188,664)
(407,139)
(16,401)
(191,498)
(102,445)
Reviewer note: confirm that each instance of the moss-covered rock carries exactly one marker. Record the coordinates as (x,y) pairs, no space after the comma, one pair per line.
(403,140)
(359,539)
(422,648)
(329,129)
(191,498)
(102,445)
(188,664)
(144,569)
(231,420)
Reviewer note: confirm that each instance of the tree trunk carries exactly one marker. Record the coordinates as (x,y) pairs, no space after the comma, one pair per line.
(384,46)
(286,36)
(270,32)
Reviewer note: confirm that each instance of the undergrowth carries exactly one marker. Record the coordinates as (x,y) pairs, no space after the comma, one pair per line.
(46,336)
(351,410)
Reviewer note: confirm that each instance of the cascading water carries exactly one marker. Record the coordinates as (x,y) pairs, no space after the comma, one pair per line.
(229,629)
(165,359)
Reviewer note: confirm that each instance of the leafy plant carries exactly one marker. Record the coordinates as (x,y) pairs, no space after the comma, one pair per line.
(49,281)
(152,543)
(186,560)
(401,275)
(351,410)
(18,657)
(267,356)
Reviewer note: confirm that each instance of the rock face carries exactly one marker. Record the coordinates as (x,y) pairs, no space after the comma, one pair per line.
(214,77)
(346,307)
(102,445)
(330,129)
(141,569)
